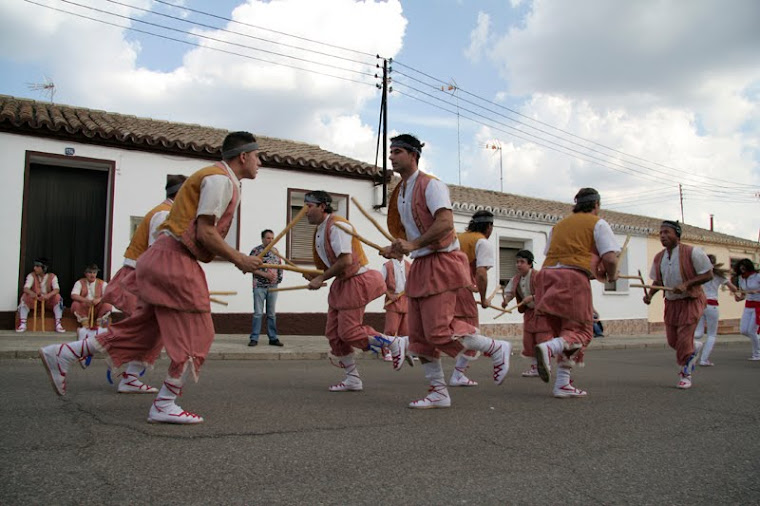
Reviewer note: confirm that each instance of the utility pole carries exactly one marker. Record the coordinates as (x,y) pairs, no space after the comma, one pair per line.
(497,146)
(680,192)
(384,124)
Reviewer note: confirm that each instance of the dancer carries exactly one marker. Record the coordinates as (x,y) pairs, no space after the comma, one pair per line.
(563,290)
(341,256)
(684,268)
(121,292)
(710,316)
(749,284)
(480,256)
(174,306)
(40,287)
(87,296)
(421,219)
(395,271)
(536,329)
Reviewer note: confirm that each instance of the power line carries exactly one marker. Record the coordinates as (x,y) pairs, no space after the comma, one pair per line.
(559,129)
(263,28)
(196,23)
(215,39)
(75,14)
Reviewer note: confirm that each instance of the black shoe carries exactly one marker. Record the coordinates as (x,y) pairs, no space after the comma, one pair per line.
(276,342)
(253,343)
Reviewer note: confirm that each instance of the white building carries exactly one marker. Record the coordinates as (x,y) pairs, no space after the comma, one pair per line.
(77,181)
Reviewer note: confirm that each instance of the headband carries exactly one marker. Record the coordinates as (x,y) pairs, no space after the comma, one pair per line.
(405,145)
(230,153)
(672,224)
(40,264)
(592,197)
(482,219)
(313,199)
(174,189)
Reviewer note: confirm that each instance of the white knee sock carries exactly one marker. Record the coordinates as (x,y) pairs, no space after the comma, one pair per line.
(556,345)
(461,365)
(563,377)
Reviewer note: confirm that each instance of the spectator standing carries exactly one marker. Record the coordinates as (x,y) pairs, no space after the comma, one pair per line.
(263,281)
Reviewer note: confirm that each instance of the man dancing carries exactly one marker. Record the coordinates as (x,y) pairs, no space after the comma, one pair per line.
(395,272)
(421,220)
(480,256)
(536,329)
(342,257)
(174,305)
(684,268)
(563,290)
(122,290)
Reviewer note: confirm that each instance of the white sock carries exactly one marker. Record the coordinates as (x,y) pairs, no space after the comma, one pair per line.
(556,345)
(709,343)
(563,377)
(461,365)
(23,311)
(135,368)
(434,372)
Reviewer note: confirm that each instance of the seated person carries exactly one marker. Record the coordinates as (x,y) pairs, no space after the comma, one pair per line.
(87,293)
(598,327)
(42,286)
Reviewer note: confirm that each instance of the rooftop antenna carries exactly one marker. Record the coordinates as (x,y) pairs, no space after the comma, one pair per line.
(47,88)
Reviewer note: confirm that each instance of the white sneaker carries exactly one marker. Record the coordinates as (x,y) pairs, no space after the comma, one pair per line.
(684,381)
(55,368)
(502,350)
(350,384)
(567,391)
(59,328)
(531,373)
(460,380)
(129,384)
(754,358)
(172,414)
(689,368)
(21,326)
(438,397)
(544,361)
(398,353)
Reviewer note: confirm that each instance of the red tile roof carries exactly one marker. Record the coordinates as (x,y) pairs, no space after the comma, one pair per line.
(24,116)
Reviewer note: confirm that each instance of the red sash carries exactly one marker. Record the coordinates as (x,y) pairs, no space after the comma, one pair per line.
(712,302)
(754,304)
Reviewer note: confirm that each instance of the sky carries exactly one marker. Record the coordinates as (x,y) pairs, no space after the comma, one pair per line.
(536,98)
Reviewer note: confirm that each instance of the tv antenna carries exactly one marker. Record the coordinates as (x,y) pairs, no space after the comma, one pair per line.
(47,88)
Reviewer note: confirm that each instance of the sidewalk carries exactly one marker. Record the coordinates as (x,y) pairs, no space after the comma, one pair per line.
(235,346)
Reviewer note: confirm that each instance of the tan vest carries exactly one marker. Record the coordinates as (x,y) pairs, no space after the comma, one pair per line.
(467,243)
(182,222)
(359,259)
(572,242)
(140,240)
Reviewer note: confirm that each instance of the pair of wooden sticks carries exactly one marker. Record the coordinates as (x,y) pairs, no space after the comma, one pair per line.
(42,319)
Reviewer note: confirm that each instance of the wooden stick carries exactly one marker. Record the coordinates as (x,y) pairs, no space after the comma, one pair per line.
(285,259)
(641,278)
(508,310)
(42,303)
(490,297)
(289,268)
(35,315)
(91,317)
(626,276)
(222,293)
(217,301)
(292,224)
(374,222)
(362,239)
(622,252)
(288,288)
(654,287)
(399,294)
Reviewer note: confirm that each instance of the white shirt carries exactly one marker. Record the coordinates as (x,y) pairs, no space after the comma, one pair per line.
(216,194)
(29,283)
(671,269)
(77,290)
(339,240)
(436,197)
(155,221)
(711,287)
(604,240)
(484,256)
(399,274)
(751,283)
(524,283)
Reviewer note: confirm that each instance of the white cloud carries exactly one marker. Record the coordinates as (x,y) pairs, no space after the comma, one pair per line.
(669,83)
(95,66)
(478,38)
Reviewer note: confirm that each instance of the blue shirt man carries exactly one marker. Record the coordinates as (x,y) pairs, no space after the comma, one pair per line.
(263,281)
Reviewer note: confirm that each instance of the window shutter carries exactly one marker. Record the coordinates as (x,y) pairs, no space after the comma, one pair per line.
(301,239)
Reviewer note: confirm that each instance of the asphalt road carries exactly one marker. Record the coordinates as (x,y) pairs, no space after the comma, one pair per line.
(275,435)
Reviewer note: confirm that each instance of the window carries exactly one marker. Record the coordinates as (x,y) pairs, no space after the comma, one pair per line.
(507,256)
(301,237)
(621,285)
